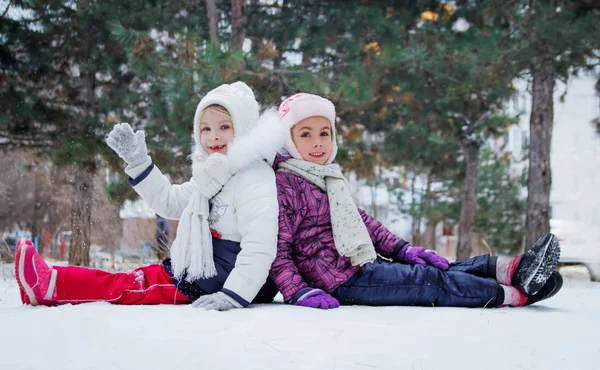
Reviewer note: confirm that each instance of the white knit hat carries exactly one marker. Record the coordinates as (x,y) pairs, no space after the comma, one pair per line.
(239,101)
(302,106)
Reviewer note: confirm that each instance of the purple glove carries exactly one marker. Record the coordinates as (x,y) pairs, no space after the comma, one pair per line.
(315,298)
(422,256)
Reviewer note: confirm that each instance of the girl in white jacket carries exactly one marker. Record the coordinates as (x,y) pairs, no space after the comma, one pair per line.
(228,218)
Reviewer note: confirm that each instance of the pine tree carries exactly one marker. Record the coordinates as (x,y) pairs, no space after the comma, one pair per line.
(555,39)
(375,60)
(500,215)
(455,82)
(66,81)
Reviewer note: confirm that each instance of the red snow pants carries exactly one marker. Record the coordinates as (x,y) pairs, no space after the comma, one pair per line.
(145,285)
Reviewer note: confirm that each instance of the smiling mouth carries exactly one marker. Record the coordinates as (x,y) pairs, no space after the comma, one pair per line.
(217,148)
(317,154)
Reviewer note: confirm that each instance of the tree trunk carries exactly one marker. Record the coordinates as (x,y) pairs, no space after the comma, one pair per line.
(469,203)
(429,239)
(373,201)
(283,40)
(211,14)
(307,57)
(81,214)
(540,133)
(422,204)
(81,204)
(36,220)
(237,10)
(429,233)
(373,188)
(415,219)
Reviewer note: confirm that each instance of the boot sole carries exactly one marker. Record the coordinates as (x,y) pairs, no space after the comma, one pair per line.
(24,298)
(28,290)
(557,288)
(535,269)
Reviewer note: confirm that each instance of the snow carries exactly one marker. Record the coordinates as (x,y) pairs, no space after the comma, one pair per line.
(461,25)
(136,209)
(552,335)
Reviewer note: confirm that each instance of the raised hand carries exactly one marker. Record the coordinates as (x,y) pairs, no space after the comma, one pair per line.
(128,145)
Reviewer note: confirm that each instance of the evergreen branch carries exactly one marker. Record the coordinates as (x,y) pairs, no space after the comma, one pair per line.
(125,35)
(75,104)
(6,10)
(525,31)
(473,126)
(273,72)
(282,71)
(9,140)
(508,4)
(450,78)
(163,5)
(67,8)
(32,20)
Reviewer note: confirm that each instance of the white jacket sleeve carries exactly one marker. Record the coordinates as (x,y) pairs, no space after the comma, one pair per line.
(166,199)
(257,214)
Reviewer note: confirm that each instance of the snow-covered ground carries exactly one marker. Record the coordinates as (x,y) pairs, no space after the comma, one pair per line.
(560,333)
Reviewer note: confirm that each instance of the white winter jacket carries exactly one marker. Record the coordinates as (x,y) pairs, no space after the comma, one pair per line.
(245,211)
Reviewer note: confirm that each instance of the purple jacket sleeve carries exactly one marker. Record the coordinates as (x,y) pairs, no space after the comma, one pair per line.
(284,271)
(384,240)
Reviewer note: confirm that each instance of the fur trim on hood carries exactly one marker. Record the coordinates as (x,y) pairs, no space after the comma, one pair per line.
(262,142)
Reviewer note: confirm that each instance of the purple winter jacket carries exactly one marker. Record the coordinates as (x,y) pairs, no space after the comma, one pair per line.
(306,253)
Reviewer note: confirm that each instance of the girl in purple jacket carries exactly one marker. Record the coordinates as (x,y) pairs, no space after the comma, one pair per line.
(328,249)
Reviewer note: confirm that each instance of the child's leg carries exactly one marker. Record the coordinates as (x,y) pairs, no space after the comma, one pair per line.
(482,266)
(41,284)
(528,272)
(384,283)
(145,285)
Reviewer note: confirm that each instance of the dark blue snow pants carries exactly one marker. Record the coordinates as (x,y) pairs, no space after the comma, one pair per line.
(224,254)
(382,283)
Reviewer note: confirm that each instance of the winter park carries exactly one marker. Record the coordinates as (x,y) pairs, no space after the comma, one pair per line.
(289,184)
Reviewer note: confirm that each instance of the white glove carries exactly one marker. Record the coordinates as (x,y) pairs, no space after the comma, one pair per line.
(217,301)
(128,145)
(217,167)
(212,174)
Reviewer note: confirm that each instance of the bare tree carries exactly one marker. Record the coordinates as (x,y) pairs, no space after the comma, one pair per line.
(106,224)
(211,13)
(35,196)
(38,197)
(239,32)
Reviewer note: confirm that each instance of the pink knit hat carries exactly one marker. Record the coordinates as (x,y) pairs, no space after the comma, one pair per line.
(301,106)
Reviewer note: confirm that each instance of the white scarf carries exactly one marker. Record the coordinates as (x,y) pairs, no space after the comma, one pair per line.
(350,234)
(192,251)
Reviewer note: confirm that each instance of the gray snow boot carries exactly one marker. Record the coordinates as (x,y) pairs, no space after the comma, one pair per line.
(537,265)
(552,286)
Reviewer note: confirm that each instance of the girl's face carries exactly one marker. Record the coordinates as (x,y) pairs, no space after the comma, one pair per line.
(313,139)
(216,130)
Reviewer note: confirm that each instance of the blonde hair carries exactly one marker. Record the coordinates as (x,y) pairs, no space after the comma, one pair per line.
(219,109)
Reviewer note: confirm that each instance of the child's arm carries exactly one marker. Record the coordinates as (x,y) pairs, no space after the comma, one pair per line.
(164,198)
(386,243)
(391,246)
(256,210)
